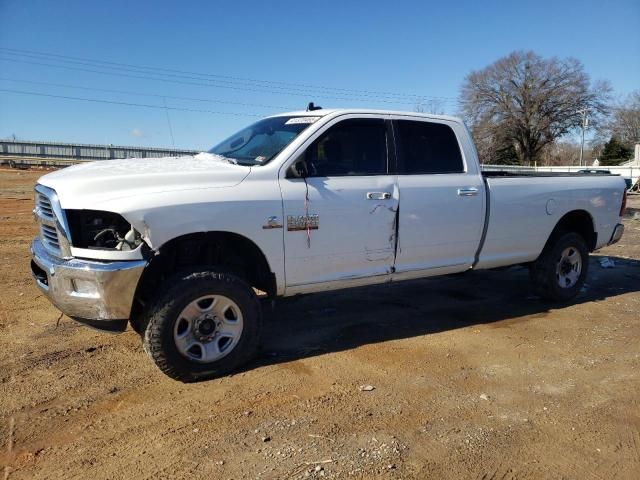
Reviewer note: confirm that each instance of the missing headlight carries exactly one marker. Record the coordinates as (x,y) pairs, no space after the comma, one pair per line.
(96,229)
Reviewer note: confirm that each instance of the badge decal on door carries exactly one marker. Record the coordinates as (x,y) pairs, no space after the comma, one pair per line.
(272,222)
(300,223)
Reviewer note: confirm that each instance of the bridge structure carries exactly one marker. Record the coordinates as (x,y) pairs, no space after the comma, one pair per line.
(23,153)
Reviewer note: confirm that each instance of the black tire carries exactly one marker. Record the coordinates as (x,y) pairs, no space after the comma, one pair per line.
(543,271)
(183,289)
(138,324)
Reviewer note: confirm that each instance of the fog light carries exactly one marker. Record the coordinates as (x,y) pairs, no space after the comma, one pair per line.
(84,288)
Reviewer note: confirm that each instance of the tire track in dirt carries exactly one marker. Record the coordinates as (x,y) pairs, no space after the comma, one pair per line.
(10,433)
(634,445)
(430,348)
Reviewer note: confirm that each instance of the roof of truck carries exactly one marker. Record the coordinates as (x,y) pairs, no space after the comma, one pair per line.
(342,111)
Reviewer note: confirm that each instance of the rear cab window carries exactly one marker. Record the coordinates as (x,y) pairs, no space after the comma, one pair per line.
(427,148)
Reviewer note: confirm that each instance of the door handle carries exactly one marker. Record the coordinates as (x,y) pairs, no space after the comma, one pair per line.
(378,195)
(468,192)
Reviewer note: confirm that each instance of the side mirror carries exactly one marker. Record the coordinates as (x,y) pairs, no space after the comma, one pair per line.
(298,170)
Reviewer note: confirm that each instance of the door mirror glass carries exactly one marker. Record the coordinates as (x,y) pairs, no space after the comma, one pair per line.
(298,169)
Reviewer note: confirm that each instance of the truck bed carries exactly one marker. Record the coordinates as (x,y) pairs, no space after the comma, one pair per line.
(507,173)
(524,207)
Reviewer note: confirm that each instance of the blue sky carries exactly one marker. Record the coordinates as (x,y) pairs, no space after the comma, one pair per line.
(403,47)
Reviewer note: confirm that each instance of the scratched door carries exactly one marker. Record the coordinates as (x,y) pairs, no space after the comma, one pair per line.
(442,213)
(340,222)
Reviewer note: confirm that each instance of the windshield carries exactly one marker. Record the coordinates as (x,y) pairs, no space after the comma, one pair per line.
(260,142)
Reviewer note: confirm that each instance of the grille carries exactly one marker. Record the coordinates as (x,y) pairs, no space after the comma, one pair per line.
(50,236)
(44,204)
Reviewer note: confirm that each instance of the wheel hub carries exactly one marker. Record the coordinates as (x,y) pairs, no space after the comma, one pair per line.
(566,267)
(569,267)
(205,328)
(208,328)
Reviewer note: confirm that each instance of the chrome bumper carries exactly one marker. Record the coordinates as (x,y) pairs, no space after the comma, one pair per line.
(617,234)
(98,293)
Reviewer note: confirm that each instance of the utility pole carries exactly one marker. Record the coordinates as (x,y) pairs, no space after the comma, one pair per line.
(166,111)
(585,125)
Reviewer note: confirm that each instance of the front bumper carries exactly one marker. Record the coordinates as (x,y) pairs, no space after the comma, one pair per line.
(99,294)
(617,234)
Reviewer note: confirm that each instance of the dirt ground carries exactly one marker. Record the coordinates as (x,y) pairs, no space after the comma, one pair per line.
(474,377)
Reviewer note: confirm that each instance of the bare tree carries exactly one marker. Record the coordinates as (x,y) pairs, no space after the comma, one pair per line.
(625,120)
(435,106)
(492,145)
(524,102)
(564,152)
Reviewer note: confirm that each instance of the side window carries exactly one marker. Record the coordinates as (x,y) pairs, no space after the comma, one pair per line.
(351,147)
(426,147)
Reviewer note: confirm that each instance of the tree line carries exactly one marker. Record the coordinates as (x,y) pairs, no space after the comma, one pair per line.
(523,108)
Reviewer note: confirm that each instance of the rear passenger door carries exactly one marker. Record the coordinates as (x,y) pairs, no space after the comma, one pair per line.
(441,198)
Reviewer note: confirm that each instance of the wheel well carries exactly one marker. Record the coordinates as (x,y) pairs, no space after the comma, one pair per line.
(580,222)
(216,250)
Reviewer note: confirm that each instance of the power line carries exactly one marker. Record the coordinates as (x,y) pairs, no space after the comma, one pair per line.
(142,70)
(235,79)
(182,82)
(129,104)
(129,92)
(210,83)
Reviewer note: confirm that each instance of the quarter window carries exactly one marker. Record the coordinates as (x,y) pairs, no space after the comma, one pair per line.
(351,147)
(427,147)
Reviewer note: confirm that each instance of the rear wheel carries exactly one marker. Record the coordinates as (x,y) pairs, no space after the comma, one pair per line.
(204,325)
(560,271)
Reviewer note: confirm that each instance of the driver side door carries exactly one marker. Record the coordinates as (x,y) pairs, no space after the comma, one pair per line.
(340,219)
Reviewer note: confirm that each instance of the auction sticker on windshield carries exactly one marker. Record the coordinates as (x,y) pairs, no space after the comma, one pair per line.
(294,120)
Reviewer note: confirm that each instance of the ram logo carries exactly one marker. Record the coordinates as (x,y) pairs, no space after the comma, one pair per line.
(272,222)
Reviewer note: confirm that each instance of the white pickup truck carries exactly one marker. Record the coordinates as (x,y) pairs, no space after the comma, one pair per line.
(302,202)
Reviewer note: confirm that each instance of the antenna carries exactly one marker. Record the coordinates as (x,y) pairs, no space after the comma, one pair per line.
(311,107)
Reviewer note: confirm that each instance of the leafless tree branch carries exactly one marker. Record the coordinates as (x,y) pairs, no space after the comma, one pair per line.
(523,102)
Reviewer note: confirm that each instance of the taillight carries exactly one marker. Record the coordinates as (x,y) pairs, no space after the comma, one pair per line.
(623,207)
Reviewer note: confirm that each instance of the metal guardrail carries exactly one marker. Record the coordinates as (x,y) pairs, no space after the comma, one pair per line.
(28,162)
(22,149)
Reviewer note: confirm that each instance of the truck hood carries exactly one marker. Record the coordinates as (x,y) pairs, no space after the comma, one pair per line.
(81,186)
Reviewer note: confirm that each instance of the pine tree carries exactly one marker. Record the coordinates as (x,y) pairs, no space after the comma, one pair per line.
(615,152)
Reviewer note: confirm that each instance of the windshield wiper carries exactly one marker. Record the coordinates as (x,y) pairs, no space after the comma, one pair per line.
(216,156)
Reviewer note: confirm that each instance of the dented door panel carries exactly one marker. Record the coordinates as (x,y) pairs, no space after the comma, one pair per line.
(353,235)
(438,226)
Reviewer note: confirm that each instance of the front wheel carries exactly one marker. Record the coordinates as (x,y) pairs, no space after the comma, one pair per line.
(203,325)
(561,269)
